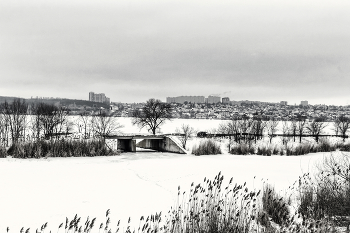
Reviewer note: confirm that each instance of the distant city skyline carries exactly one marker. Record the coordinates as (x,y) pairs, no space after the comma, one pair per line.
(101,97)
(133,50)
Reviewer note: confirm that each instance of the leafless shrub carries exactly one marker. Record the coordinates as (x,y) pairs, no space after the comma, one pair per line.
(272,127)
(105,125)
(316,127)
(187,132)
(84,124)
(15,115)
(342,126)
(48,120)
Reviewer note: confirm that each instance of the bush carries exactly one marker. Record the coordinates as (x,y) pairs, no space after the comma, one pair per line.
(264,151)
(275,151)
(3,152)
(325,146)
(328,193)
(282,152)
(302,149)
(242,149)
(274,206)
(343,146)
(211,208)
(267,151)
(206,147)
(60,148)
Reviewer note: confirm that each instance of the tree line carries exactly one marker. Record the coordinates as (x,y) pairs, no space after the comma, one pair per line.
(251,129)
(20,121)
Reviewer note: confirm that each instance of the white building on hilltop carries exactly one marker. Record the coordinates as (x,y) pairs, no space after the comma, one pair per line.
(183,99)
(304,103)
(100,98)
(213,99)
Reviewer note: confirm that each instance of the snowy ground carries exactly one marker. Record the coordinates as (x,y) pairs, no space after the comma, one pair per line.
(133,184)
(35,191)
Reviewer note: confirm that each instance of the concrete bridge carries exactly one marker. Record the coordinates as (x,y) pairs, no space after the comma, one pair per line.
(127,143)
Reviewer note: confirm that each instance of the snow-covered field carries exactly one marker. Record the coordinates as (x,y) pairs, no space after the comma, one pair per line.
(133,184)
(35,191)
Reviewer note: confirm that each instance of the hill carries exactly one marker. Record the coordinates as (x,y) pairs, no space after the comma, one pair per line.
(61,101)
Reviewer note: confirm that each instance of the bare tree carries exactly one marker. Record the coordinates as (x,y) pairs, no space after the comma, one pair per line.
(36,127)
(342,125)
(84,124)
(3,130)
(245,127)
(272,127)
(301,127)
(104,125)
(68,127)
(152,115)
(231,127)
(49,119)
(316,127)
(293,128)
(187,132)
(286,128)
(234,127)
(227,128)
(15,114)
(258,127)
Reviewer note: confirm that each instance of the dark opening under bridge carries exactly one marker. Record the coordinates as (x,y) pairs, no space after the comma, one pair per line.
(127,143)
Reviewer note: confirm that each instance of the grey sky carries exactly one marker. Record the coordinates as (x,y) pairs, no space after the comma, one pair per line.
(135,50)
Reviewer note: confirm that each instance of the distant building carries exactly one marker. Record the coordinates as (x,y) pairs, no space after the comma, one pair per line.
(194,99)
(183,99)
(284,103)
(100,98)
(304,103)
(213,99)
(225,100)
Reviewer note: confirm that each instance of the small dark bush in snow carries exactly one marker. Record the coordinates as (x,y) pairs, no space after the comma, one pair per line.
(3,152)
(60,148)
(242,149)
(206,147)
(344,147)
(266,151)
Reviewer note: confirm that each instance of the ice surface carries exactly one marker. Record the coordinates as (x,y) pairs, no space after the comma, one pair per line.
(35,191)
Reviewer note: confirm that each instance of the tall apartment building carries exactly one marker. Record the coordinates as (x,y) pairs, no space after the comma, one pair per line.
(284,103)
(183,99)
(225,100)
(195,99)
(213,99)
(100,98)
(304,103)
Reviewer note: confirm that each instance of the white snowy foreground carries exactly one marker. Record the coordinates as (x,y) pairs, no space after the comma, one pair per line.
(35,191)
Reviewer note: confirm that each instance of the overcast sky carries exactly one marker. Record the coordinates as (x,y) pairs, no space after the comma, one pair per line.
(133,50)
